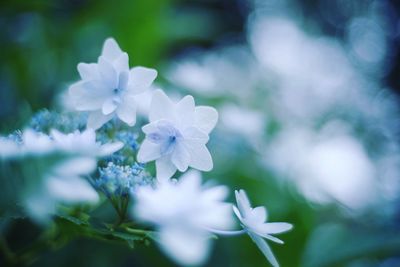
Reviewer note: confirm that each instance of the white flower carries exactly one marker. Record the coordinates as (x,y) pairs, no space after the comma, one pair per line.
(253,220)
(83,143)
(63,183)
(109,87)
(184,212)
(177,134)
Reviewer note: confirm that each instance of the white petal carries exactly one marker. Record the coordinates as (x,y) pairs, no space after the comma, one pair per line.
(180,157)
(265,249)
(88,71)
(108,149)
(200,157)
(150,128)
(243,202)
(185,111)
(97,119)
(195,136)
(126,111)
(88,95)
(109,106)
(161,107)
(111,50)
(140,79)
(270,237)
(237,213)
(276,227)
(76,166)
(165,168)
(187,247)
(259,214)
(123,80)
(205,118)
(71,189)
(108,74)
(121,64)
(148,151)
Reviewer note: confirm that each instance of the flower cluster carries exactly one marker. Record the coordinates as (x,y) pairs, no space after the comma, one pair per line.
(184,212)
(116,180)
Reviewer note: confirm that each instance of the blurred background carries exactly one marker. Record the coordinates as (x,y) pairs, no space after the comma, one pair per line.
(307,93)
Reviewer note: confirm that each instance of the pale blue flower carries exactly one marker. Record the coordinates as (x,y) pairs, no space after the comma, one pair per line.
(177,134)
(108,87)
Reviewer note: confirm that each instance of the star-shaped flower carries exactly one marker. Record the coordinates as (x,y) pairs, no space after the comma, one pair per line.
(253,221)
(109,87)
(183,213)
(177,134)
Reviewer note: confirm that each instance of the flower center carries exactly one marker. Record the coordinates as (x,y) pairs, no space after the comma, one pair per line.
(166,136)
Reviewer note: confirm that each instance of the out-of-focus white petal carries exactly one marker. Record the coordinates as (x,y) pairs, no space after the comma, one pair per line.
(76,166)
(110,148)
(242,201)
(205,118)
(259,214)
(88,95)
(276,227)
(187,247)
(140,79)
(97,119)
(108,74)
(71,189)
(126,111)
(36,142)
(265,249)
(8,148)
(200,157)
(180,157)
(237,212)
(165,168)
(270,237)
(88,71)
(148,151)
(161,107)
(111,50)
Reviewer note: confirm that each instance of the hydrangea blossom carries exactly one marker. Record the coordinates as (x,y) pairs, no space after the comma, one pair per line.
(108,87)
(183,213)
(83,143)
(177,134)
(253,221)
(116,180)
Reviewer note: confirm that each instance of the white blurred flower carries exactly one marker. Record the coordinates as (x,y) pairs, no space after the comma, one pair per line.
(230,71)
(334,166)
(64,183)
(83,143)
(183,213)
(253,220)
(109,87)
(177,134)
